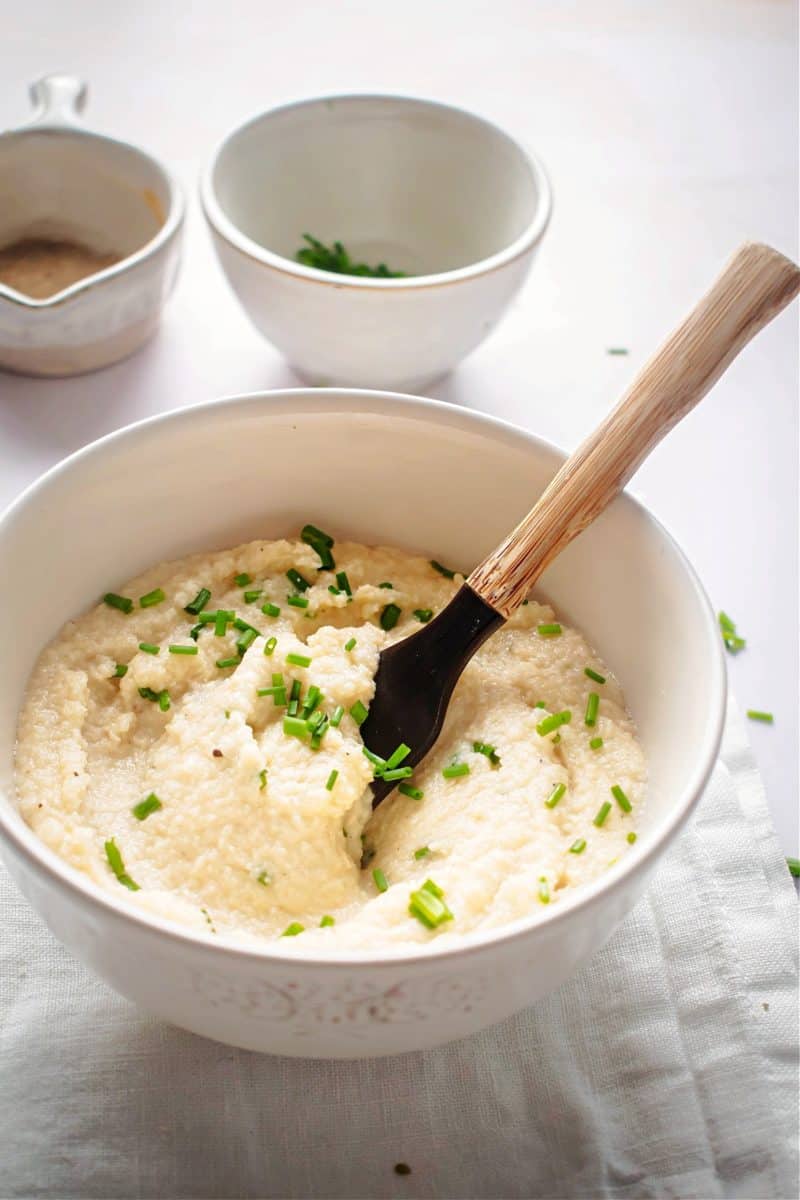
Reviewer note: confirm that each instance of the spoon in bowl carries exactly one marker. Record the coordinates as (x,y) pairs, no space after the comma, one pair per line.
(416,676)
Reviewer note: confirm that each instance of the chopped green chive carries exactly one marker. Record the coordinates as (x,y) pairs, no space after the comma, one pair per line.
(336,718)
(246,640)
(794,867)
(321,543)
(399,755)
(553,629)
(578,846)
(123,603)
(616,350)
(556,794)
(343,582)
(351,644)
(297,601)
(427,905)
(334,591)
(224,663)
(119,670)
(252,596)
(327,921)
(455,770)
(297,580)
(397,773)
(148,694)
(242,580)
(200,601)
(334,775)
(262,776)
(208,618)
(269,646)
(149,648)
(245,626)
(295,727)
(544,889)
(222,619)
(592,707)
(390,616)
(413,793)
(592,674)
(437,566)
(733,642)
(163,700)
(381,882)
(293,929)
(552,722)
(270,610)
(423,615)
(755,715)
(313,698)
(196,630)
(631,838)
(602,813)
(183,649)
(294,698)
(540,704)
(118,867)
(621,799)
(488,750)
(359,712)
(145,807)
(264,878)
(595,743)
(336,259)
(298,660)
(423,852)
(151,598)
(386,584)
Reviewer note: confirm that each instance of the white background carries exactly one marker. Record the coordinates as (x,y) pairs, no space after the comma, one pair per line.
(670,134)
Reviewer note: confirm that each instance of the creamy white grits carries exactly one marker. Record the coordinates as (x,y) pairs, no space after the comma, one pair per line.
(246,830)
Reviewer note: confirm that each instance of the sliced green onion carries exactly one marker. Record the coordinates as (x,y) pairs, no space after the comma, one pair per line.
(336,718)
(295,727)
(200,601)
(386,584)
(334,591)
(602,813)
(145,807)
(351,644)
(264,878)
(314,721)
(195,631)
(592,674)
(343,582)
(222,619)
(381,882)
(208,618)
(794,867)
(298,660)
(242,580)
(148,694)
(733,642)
(269,646)
(592,707)
(437,566)
(270,610)
(183,649)
(294,698)
(262,775)
(390,616)
(224,663)
(616,350)
(578,846)
(164,700)
(293,929)
(540,704)
(321,543)
(488,750)
(397,773)
(297,580)
(119,670)
(118,867)
(252,596)
(414,793)
(313,698)
(755,715)
(246,640)
(334,775)
(123,603)
(553,629)
(149,648)
(399,755)
(423,615)
(326,921)
(321,730)
(297,601)
(151,598)
(631,838)
(359,712)
(455,770)
(621,799)
(423,852)
(556,794)
(544,889)
(595,743)
(427,905)
(553,721)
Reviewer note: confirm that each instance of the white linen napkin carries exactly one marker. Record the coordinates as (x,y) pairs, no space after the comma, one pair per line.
(666,1068)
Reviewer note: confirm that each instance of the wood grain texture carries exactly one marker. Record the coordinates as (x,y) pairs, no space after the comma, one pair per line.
(755,285)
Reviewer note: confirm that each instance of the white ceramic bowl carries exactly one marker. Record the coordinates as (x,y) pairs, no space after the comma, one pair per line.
(59,181)
(382,468)
(429,189)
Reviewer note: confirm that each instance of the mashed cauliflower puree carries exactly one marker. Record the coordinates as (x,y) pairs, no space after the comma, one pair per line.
(164,750)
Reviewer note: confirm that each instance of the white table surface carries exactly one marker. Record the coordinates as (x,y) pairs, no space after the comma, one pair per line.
(670,134)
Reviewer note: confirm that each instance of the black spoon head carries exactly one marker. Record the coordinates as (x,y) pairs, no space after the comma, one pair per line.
(416,677)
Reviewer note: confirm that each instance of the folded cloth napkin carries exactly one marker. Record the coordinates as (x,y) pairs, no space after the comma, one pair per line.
(666,1068)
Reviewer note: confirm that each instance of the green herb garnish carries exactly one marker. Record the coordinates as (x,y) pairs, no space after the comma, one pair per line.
(455,770)
(242,580)
(552,722)
(578,846)
(321,544)
(423,852)
(592,707)
(544,889)
(151,598)
(119,670)
(350,644)
(337,715)
(621,799)
(293,929)
(298,660)
(794,867)
(390,616)
(616,350)
(336,259)
(224,663)
(423,615)
(413,793)
(297,601)
(269,646)
(343,582)
(164,700)
(252,596)
(595,743)
(183,649)
(270,610)
(553,629)
(145,807)
(123,603)
(295,727)
(200,601)
(326,921)
(359,712)
(262,776)
(488,750)
(594,675)
(733,642)
(631,838)
(437,566)
(297,580)
(556,794)
(118,867)
(428,906)
(381,882)
(331,783)
(149,648)
(602,813)
(756,715)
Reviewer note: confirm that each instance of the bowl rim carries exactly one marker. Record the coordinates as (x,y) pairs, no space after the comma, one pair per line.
(226,229)
(172,222)
(40,857)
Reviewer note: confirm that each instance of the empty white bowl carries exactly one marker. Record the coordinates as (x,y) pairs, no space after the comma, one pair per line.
(624,583)
(60,182)
(430,190)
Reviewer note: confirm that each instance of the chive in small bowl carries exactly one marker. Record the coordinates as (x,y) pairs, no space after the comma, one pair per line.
(374,240)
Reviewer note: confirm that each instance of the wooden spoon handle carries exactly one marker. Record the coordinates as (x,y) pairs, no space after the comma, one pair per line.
(755,286)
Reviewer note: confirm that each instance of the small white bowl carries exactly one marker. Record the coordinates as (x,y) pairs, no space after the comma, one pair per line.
(428,189)
(60,182)
(624,583)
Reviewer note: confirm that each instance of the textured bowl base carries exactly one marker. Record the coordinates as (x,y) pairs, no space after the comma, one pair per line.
(63,361)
